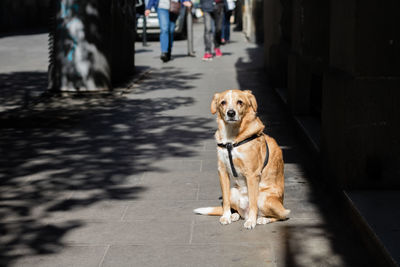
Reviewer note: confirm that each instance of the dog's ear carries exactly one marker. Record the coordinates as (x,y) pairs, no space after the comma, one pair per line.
(252,100)
(214,103)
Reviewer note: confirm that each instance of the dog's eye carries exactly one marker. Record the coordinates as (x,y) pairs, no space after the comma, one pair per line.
(223,102)
(240,102)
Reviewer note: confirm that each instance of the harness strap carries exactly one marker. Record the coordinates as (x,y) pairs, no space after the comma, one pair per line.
(266,156)
(230,146)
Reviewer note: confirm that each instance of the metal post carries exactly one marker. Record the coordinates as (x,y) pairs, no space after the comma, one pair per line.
(144,32)
(189,28)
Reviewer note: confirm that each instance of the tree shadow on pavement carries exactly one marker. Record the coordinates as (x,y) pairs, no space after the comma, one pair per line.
(68,153)
(318,232)
(167,77)
(18,88)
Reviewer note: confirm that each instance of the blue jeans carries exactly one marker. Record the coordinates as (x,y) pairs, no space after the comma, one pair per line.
(226,25)
(167,27)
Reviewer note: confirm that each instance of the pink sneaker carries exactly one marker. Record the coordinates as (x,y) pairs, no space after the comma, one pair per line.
(218,52)
(207,56)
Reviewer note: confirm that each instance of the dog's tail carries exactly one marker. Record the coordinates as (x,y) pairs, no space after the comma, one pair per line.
(217,211)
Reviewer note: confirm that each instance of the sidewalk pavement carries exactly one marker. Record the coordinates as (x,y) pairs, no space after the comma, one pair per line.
(111,180)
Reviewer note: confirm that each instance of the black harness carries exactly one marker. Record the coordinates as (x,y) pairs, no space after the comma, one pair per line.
(230,146)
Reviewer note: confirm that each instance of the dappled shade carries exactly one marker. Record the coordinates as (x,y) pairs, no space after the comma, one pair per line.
(66,153)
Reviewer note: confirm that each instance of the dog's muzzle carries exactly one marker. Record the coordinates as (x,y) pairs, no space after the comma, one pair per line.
(231,116)
(231,113)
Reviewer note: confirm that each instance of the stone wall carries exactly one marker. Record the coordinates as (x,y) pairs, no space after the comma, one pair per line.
(277,40)
(253,20)
(340,64)
(361,95)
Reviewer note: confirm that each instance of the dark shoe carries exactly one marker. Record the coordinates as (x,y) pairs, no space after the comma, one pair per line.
(164,57)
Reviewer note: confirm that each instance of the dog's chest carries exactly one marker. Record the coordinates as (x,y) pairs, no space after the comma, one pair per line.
(223,156)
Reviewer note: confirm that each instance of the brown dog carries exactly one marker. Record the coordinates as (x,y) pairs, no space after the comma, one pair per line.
(248,157)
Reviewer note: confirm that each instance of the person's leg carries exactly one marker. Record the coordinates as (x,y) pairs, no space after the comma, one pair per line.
(227,17)
(223,33)
(163,18)
(218,16)
(207,31)
(171,30)
(239,15)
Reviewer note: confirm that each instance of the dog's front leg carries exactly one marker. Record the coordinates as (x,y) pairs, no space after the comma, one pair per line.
(252,188)
(225,188)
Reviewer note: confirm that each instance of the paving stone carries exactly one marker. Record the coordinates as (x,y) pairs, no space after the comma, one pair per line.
(164,211)
(208,177)
(134,179)
(176,178)
(212,232)
(137,232)
(181,191)
(305,243)
(210,191)
(210,165)
(178,165)
(297,191)
(303,210)
(193,255)
(98,211)
(211,145)
(82,256)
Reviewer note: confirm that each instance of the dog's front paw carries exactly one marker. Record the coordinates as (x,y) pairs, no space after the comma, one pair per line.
(250,224)
(263,220)
(225,219)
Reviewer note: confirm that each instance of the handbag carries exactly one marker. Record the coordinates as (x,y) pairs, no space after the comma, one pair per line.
(175,6)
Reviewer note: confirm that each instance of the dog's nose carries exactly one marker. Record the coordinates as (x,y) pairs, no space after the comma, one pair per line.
(231,113)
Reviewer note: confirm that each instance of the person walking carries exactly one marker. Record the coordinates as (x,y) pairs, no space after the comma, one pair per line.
(226,22)
(167,21)
(239,15)
(213,14)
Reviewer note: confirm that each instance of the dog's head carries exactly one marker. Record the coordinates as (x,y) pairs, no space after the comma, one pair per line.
(233,105)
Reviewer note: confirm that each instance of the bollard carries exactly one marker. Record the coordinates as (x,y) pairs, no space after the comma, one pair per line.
(140,9)
(189,29)
(144,32)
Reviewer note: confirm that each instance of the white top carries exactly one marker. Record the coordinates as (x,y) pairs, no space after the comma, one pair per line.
(165,4)
(231,4)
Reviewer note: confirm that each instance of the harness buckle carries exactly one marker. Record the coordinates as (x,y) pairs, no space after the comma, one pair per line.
(229,146)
